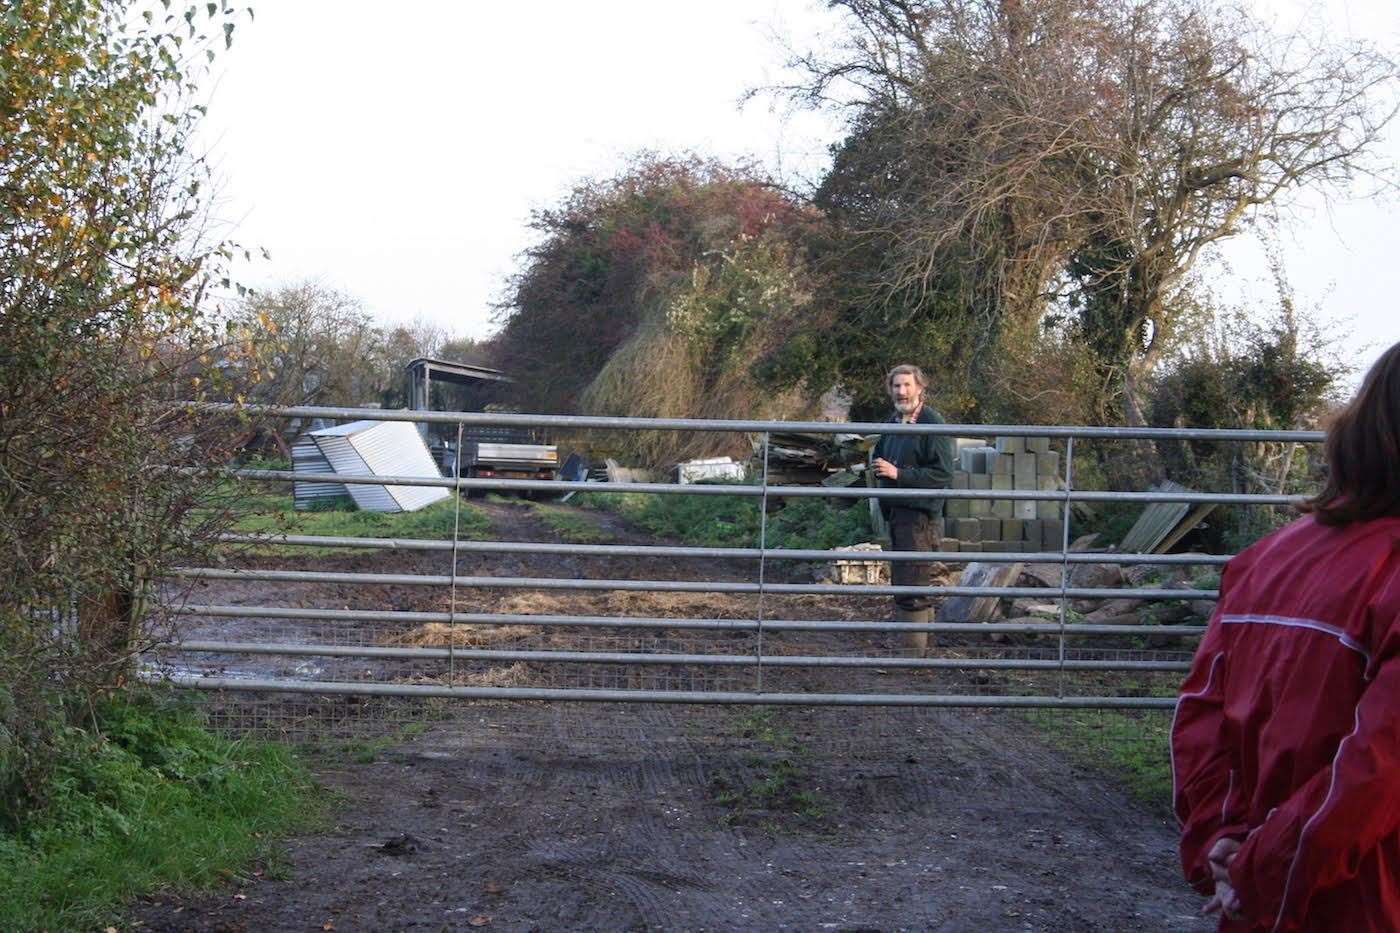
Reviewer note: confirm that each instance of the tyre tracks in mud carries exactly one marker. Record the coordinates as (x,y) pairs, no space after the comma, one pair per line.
(535,817)
(563,828)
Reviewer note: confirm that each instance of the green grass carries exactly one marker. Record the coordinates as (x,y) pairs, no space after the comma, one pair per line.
(147,798)
(272,513)
(1130,746)
(733,521)
(571,524)
(775,790)
(363,750)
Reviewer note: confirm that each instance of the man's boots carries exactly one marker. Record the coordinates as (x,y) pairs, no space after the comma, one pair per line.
(917,641)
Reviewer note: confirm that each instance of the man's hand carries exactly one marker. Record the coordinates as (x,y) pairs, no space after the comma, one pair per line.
(1221,855)
(885,470)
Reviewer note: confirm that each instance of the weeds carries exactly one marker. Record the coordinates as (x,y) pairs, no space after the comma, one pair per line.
(145,797)
(1133,746)
(733,521)
(570,524)
(1206,580)
(364,751)
(773,789)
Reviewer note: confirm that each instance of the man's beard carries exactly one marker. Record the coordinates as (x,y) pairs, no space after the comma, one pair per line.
(908,405)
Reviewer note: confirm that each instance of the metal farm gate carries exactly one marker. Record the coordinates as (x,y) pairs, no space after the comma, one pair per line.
(393,624)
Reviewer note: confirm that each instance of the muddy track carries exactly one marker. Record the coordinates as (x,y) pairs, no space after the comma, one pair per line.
(532,817)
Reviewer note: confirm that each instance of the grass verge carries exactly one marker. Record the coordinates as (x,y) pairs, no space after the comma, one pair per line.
(365,750)
(273,514)
(146,798)
(1132,746)
(571,524)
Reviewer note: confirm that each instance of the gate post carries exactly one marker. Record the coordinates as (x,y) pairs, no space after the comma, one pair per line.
(762,563)
(1064,556)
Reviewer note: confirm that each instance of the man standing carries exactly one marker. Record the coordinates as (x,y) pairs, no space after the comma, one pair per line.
(912,461)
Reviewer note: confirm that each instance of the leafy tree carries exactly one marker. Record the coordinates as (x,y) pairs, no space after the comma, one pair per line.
(1278,374)
(878,319)
(1281,373)
(106,308)
(321,345)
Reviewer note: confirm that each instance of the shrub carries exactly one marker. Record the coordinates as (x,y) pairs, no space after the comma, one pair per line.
(107,314)
(652,293)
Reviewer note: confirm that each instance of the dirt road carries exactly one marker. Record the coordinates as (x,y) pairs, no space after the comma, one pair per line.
(532,817)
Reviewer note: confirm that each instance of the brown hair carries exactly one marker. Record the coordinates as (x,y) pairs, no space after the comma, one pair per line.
(906,369)
(1363,451)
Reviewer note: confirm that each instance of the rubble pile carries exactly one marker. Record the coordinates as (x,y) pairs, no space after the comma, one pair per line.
(806,459)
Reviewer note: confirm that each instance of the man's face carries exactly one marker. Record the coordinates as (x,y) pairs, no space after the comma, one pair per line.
(905,394)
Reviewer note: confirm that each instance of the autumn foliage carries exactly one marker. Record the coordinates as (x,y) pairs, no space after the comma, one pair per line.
(106,315)
(662,292)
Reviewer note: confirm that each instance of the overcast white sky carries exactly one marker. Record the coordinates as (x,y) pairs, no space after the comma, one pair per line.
(395,152)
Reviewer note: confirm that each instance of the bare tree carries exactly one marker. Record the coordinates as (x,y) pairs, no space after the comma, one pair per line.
(321,346)
(1076,156)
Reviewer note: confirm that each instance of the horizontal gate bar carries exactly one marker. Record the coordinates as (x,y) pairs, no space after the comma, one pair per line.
(748,427)
(643,658)
(580,695)
(679,586)
(742,625)
(710,489)
(715,553)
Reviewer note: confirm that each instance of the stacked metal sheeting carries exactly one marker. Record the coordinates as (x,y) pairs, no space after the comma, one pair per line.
(381,448)
(307,458)
(1162,524)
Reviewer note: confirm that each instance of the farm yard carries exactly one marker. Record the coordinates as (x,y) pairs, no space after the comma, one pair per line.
(535,816)
(615,511)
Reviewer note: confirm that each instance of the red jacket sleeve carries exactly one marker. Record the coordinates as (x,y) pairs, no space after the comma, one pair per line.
(1202,759)
(1316,838)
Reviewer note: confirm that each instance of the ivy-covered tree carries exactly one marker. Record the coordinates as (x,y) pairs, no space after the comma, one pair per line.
(663,291)
(1075,157)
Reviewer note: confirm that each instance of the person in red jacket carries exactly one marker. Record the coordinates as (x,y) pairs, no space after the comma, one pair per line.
(1286,739)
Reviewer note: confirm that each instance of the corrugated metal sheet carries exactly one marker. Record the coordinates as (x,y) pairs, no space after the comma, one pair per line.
(393,448)
(307,458)
(1162,524)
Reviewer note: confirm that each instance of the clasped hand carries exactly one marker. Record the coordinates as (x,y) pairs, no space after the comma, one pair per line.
(1225,898)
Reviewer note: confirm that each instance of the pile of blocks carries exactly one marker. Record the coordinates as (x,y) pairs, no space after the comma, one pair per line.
(995,525)
(854,570)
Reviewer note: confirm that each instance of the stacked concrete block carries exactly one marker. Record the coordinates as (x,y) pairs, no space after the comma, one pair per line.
(981,508)
(1006,525)
(1032,533)
(1003,508)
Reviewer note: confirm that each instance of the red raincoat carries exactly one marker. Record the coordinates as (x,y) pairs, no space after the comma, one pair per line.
(1287,732)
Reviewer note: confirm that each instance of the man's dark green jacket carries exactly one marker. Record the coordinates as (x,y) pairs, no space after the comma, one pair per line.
(924,461)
